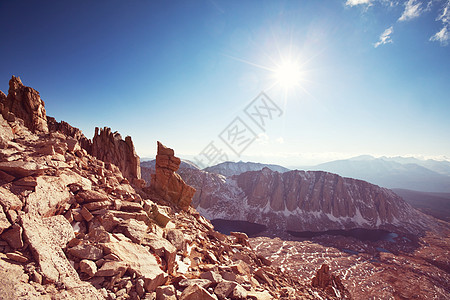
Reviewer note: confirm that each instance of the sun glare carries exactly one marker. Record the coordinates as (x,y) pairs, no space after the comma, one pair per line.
(288,74)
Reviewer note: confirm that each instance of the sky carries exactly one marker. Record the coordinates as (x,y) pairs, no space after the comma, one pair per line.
(285,82)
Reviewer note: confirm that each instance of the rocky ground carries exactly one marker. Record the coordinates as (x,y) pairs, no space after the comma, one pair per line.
(400,269)
(73,225)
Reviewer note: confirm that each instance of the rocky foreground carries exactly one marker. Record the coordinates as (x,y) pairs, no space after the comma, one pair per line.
(76,222)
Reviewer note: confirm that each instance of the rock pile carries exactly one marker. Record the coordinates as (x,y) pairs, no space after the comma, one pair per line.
(168,184)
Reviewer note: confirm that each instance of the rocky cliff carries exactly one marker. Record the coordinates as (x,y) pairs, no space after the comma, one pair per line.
(25,103)
(109,147)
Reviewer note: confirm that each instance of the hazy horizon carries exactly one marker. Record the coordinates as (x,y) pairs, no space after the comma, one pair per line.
(340,78)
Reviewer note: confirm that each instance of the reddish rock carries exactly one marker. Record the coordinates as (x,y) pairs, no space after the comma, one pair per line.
(140,261)
(92,196)
(77,137)
(4,222)
(88,267)
(134,229)
(163,248)
(224,289)
(22,168)
(195,292)
(167,183)
(26,104)
(86,251)
(111,268)
(330,283)
(166,292)
(109,147)
(46,238)
(13,236)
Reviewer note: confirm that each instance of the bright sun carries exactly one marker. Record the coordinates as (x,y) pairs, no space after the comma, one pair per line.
(288,74)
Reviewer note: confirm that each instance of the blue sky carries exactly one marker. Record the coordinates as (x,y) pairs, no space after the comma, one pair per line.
(373,76)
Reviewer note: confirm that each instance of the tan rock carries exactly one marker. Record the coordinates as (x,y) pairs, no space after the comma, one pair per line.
(92,196)
(139,261)
(133,229)
(109,147)
(167,183)
(194,292)
(111,268)
(86,214)
(4,222)
(166,292)
(22,168)
(163,248)
(86,251)
(224,289)
(46,238)
(88,267)
(18,257)
(176,237)
(26,104)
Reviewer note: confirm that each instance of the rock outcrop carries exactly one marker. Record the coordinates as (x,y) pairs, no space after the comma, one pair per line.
(330,283)
(109,147)
(24,103)
(168,184)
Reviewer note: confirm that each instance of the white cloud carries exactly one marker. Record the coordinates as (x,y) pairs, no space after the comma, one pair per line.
(413,9)
(385,37)
(443,35)
(358,2)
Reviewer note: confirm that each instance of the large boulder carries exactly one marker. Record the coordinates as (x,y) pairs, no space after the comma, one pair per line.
(166,182)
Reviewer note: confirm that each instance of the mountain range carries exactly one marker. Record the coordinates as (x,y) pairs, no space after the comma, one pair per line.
(397,172)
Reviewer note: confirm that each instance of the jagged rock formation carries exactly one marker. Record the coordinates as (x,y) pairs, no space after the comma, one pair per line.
(109,147)
(71,227)
(25,103)
(166,182)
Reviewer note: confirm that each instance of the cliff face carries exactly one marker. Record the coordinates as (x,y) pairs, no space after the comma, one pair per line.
(302,201)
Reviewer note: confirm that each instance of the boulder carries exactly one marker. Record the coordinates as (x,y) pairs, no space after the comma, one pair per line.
(46,238)
(166,292)
(13,236)
(163,248)
(140,262)
(21,169)
(88,267)
(195,292)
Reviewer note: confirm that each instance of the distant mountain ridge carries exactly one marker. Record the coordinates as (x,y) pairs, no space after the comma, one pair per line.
(396,172)
(230,168)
